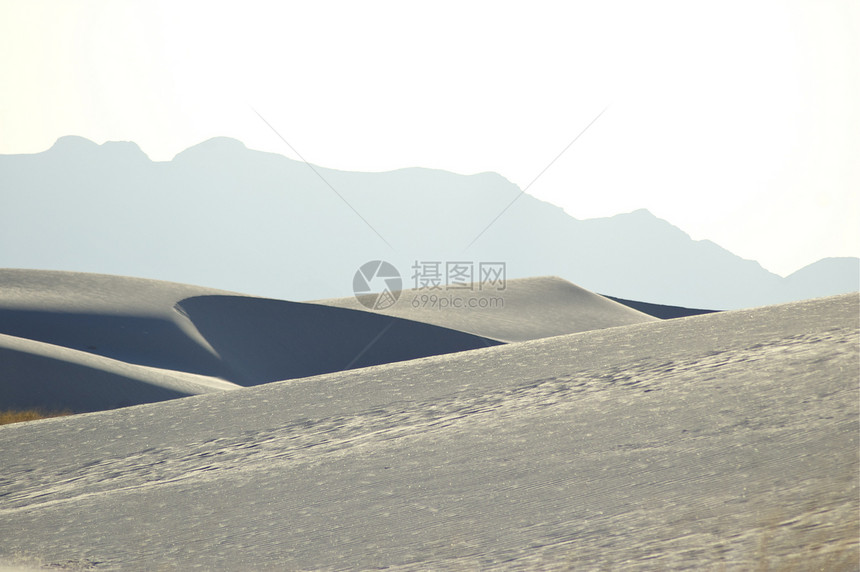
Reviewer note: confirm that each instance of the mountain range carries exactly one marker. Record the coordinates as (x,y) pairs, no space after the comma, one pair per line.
(225,216)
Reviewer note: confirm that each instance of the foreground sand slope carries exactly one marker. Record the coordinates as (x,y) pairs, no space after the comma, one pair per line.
(724,440)
(527,309)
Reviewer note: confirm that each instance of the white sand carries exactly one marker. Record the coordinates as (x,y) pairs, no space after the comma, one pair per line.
(529,309)
(46,376)
(85,342)
(720,441)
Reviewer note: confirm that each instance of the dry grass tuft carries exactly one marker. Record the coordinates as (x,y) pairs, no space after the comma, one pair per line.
(18,415)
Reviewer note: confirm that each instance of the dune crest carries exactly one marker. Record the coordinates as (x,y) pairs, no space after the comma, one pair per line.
(527,309)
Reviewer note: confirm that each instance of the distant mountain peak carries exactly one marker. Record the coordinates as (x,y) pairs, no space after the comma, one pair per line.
(246,220)
(643,216)
(74,144)
(71,142)
(638,214)
(832,269)
(213,146)
(642,212)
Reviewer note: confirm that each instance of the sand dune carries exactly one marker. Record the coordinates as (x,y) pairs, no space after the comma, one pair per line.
(126,319)
(268,340)
(45,376)
(243,339)
(725,440)
(527,309)
(140,340)
(86,341)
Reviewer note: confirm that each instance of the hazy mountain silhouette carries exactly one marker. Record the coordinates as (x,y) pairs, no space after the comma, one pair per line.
(224,216)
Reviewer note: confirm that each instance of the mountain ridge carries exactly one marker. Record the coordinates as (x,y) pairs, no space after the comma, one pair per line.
(239,219)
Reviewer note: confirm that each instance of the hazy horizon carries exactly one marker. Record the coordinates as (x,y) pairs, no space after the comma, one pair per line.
(225,216)
(739,123)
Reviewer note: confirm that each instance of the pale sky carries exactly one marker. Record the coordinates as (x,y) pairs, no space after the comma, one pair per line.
(738,122)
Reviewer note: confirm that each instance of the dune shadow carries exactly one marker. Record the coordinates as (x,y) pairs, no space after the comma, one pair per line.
(141,340)
(55,384)
(662,311)
(266,340)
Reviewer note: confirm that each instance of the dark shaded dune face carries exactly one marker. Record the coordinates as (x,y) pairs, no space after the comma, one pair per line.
(137,339)
(55,384)
(662,311)
(265,340)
